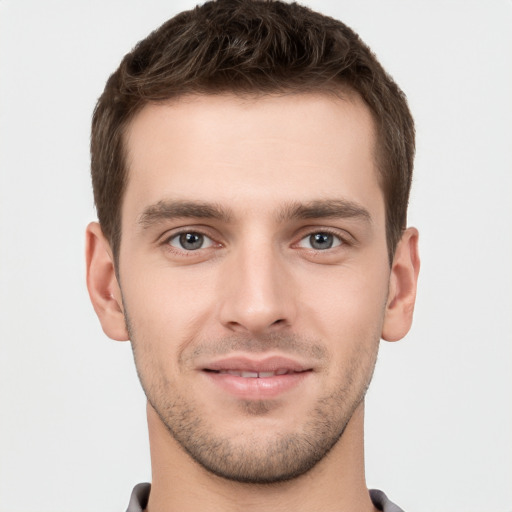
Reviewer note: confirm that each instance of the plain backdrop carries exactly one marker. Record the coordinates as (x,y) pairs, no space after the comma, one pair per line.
(439,413)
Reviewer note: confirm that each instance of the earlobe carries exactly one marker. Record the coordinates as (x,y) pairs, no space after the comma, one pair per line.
(402,287)
(102,284)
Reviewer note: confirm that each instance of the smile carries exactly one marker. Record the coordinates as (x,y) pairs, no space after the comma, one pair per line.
(254,375)
(256,379)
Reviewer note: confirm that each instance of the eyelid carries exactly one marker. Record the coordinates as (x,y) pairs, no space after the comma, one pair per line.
(338,241)
(343,236)
(176,231)
(165,238)
(209,242)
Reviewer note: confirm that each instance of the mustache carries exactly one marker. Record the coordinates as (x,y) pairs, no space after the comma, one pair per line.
(288,344)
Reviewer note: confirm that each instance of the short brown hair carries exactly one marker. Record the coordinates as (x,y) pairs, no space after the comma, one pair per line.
(249,46)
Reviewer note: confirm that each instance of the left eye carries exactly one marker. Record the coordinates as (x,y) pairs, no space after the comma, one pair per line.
(190,241)
(320,241)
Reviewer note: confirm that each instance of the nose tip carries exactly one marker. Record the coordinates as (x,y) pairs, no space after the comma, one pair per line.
(256,322)
(257,296)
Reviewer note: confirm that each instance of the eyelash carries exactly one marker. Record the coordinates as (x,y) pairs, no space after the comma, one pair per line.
(182,251)
(343,241)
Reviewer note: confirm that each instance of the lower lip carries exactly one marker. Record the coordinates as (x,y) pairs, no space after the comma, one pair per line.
(257,388)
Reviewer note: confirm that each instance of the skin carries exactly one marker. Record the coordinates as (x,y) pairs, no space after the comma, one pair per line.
(257,178)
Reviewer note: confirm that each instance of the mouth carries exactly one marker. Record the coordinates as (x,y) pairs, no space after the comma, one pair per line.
(253,379)
(254,367)
(253,375)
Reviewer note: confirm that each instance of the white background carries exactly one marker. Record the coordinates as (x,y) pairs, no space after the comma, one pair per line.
(439,421)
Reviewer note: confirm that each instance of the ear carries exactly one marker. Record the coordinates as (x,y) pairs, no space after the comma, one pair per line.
(102,284)
(402,287)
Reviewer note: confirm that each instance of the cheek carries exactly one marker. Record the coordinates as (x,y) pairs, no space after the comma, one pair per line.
(167,306)
(164,314)
(346,303)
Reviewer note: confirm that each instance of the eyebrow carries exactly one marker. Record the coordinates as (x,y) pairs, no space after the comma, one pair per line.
(317,209)
(165,210)
(328,208)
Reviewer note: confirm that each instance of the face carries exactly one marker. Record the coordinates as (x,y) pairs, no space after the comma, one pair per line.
(254,274)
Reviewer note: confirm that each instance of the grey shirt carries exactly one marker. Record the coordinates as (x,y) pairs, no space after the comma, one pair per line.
(140,496)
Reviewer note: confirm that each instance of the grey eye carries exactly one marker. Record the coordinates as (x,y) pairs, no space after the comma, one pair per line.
(190,241)
(320,241)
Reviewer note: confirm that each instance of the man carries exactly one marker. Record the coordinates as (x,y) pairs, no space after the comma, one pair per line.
(251,165)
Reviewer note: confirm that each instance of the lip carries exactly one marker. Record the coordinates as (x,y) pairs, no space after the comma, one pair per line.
(225,373)
(250,364)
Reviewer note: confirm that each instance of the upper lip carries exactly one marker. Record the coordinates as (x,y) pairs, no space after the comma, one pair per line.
(251,364)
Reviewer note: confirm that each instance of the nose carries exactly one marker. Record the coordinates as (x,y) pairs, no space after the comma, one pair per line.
(257,291)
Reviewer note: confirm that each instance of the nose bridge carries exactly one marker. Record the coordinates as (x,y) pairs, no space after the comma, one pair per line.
(257,288)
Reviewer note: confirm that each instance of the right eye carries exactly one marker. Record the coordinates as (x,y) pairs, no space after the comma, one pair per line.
(190,241)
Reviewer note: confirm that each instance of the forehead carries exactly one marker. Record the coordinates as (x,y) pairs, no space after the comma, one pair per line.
(260,149)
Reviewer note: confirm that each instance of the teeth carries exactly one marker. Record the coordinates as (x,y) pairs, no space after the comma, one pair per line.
(253,375)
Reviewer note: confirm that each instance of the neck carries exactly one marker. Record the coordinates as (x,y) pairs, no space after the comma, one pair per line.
(335,484)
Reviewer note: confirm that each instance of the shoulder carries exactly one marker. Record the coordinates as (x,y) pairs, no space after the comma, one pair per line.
(140,495)
(382,502)
(139,498)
